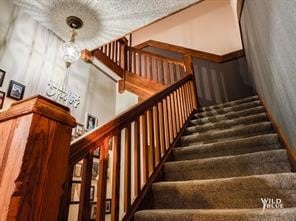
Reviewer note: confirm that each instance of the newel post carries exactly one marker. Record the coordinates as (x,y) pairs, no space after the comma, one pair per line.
(35,137)
(190,70)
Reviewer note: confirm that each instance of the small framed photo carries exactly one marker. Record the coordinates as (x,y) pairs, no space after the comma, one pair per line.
(95,170)
(92,193)
(93,211)
(2,75)
(77,170)
(2,97)
(96,153)
(108,206)
(75,192)
(91,121)
(15,90)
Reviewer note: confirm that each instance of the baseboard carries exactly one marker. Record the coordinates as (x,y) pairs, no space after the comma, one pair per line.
(282,135)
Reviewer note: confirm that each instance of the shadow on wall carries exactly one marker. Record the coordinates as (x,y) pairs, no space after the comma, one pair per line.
(218,83)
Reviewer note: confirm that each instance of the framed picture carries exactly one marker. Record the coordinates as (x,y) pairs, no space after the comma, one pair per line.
(2,97)
(91,121)
(75,192)
(108,206)
(2,75)
(92,193)
(77,170)
(93,211)
(96,153)
(15,90)
(95,170)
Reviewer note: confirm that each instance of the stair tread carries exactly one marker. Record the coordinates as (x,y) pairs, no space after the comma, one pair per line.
(229,115)
(227,133)
(228,123)
(234,192)
(229,109)
(229,166)
(230,103)
(231,147)
(254,214)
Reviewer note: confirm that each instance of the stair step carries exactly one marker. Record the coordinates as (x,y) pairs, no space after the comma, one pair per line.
(229,109)
(286,214)
(227,193)
(228,123)
(233,147)
(228,116)
(229,104)
(264,162)
(210,137)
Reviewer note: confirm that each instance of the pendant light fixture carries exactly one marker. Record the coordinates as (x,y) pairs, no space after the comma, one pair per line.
(71,52)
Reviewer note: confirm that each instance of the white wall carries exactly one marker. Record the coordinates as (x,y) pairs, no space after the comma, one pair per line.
(268,28)
(210,26)
(30,54)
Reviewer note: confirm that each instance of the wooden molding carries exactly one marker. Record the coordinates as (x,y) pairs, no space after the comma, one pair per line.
(98,54)
(282,136)
(195,53)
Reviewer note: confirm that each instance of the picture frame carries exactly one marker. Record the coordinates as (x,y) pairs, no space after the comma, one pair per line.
(96,153)
(75,192)
(77,171)
(15,90)
(2,75)
(91,121)
(2,98)
(95,170)
(92,193)
(93,211)
(108,206)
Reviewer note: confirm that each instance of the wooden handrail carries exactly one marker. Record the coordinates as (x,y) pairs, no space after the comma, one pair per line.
(144,135)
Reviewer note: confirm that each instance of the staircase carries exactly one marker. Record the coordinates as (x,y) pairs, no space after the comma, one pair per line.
(228,163)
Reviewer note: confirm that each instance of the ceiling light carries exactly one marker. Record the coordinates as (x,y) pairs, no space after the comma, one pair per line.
(71,52)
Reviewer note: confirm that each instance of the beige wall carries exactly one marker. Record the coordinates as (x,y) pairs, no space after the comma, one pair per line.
(209,26)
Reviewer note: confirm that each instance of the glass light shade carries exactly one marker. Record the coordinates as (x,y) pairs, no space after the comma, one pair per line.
(71,52)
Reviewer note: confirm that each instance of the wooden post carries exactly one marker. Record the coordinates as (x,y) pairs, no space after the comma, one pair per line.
(35,137)
(190,70)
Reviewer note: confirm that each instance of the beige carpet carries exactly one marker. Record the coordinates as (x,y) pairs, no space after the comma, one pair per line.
(230,166)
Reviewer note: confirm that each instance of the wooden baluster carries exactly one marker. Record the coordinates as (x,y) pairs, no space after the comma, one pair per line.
(156,130)
(161,72)
(155,70)
(190,96)
(104,49)
(161,128)
(145,147)
(109,50)
(130,61)
(170,119)
(186,101)
(166,123)
(174,73)
(135,62)
(144,74)
(127,168)
(151,150)
(102,182)
(177,111)
(123,54)
(182,72)
(140,65)
(182,117)
(168,73)
(116,177)
(84,203)
(150,68)
(173,115)
(116,52)
(137,163)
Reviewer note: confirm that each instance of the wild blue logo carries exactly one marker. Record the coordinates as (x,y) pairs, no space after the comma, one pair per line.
(269,203)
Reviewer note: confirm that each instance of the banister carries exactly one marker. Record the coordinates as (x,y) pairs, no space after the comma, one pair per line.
(82,146)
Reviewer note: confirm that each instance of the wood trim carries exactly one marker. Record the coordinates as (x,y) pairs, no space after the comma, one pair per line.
(282,135)
(195,53)
(156,173)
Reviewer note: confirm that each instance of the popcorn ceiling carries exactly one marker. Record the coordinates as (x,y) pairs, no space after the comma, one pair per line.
(104,20)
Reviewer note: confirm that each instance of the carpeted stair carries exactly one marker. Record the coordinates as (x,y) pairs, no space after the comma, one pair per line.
(229,160)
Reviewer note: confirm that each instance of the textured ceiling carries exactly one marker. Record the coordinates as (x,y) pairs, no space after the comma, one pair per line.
(104,20)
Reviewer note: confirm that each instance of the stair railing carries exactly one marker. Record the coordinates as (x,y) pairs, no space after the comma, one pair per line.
(141,140)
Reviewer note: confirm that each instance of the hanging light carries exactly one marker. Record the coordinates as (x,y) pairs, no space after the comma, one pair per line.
(71,52)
